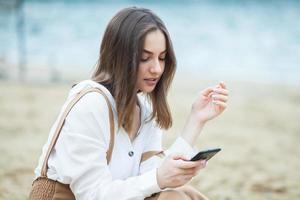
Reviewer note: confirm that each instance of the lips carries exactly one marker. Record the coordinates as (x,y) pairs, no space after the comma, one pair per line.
(151,81)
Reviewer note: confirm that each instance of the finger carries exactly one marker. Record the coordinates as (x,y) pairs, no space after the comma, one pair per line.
(189,171)
(221,91)
(207,91)
(182,172)
(187,164)
(222,84)
(220,97)
(211,93)
(203,165)
(220,103)
(179,157)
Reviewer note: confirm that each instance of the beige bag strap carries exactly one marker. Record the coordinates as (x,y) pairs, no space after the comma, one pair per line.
(149,154)
(62,121)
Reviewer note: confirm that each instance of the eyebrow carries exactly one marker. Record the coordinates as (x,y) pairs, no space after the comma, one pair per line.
(149,52)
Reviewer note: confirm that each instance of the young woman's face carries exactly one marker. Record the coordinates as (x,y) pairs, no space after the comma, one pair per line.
(152,63)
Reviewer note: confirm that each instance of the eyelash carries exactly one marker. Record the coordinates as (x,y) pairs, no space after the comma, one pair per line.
(145,60)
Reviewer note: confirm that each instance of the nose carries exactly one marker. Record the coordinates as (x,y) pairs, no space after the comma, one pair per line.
(156,67)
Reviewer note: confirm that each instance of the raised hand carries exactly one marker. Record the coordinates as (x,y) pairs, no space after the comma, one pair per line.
(210,103)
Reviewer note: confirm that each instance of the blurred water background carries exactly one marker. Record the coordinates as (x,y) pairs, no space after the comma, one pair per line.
(237,40)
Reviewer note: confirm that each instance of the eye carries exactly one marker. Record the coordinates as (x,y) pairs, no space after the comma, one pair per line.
(144,59)
(163,59)
(163,56)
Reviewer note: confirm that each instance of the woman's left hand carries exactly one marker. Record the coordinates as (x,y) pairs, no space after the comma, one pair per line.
(210,103)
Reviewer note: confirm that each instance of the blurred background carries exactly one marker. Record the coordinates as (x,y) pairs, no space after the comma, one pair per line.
(253,46)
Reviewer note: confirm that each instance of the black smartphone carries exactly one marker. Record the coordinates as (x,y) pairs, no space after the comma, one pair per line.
(205,155)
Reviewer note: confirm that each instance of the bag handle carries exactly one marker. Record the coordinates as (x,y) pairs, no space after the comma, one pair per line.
(62,121)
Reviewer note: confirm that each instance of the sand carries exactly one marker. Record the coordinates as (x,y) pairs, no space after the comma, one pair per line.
(258,134)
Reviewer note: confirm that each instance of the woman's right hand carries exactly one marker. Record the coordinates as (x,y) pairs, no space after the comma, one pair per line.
(176,171)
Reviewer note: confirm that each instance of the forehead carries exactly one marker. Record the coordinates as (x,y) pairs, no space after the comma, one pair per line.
(155,41)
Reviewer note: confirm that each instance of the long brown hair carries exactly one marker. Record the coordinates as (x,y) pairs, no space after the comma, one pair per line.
(117,67)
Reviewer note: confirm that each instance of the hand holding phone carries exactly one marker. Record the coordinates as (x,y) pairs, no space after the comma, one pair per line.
(205,155)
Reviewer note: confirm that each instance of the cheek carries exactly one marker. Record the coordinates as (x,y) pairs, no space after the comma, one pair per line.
(140,76)
(163,66)
(142,70)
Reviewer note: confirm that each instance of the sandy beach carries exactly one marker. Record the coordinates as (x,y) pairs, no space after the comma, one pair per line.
(258,134)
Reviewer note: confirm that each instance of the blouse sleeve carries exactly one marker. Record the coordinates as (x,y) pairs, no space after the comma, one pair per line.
(81,153)
(154,145)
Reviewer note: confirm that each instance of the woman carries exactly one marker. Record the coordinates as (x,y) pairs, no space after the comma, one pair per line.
(136,57)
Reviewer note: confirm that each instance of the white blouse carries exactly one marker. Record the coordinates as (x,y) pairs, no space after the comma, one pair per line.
(79,156)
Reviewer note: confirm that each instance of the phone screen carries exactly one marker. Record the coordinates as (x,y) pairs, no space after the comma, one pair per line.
(205,155)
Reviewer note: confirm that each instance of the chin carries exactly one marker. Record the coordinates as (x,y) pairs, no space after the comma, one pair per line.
(147,89)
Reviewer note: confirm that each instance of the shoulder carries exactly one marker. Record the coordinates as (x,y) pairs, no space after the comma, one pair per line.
(89,115)
(86,84)
(91,102)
